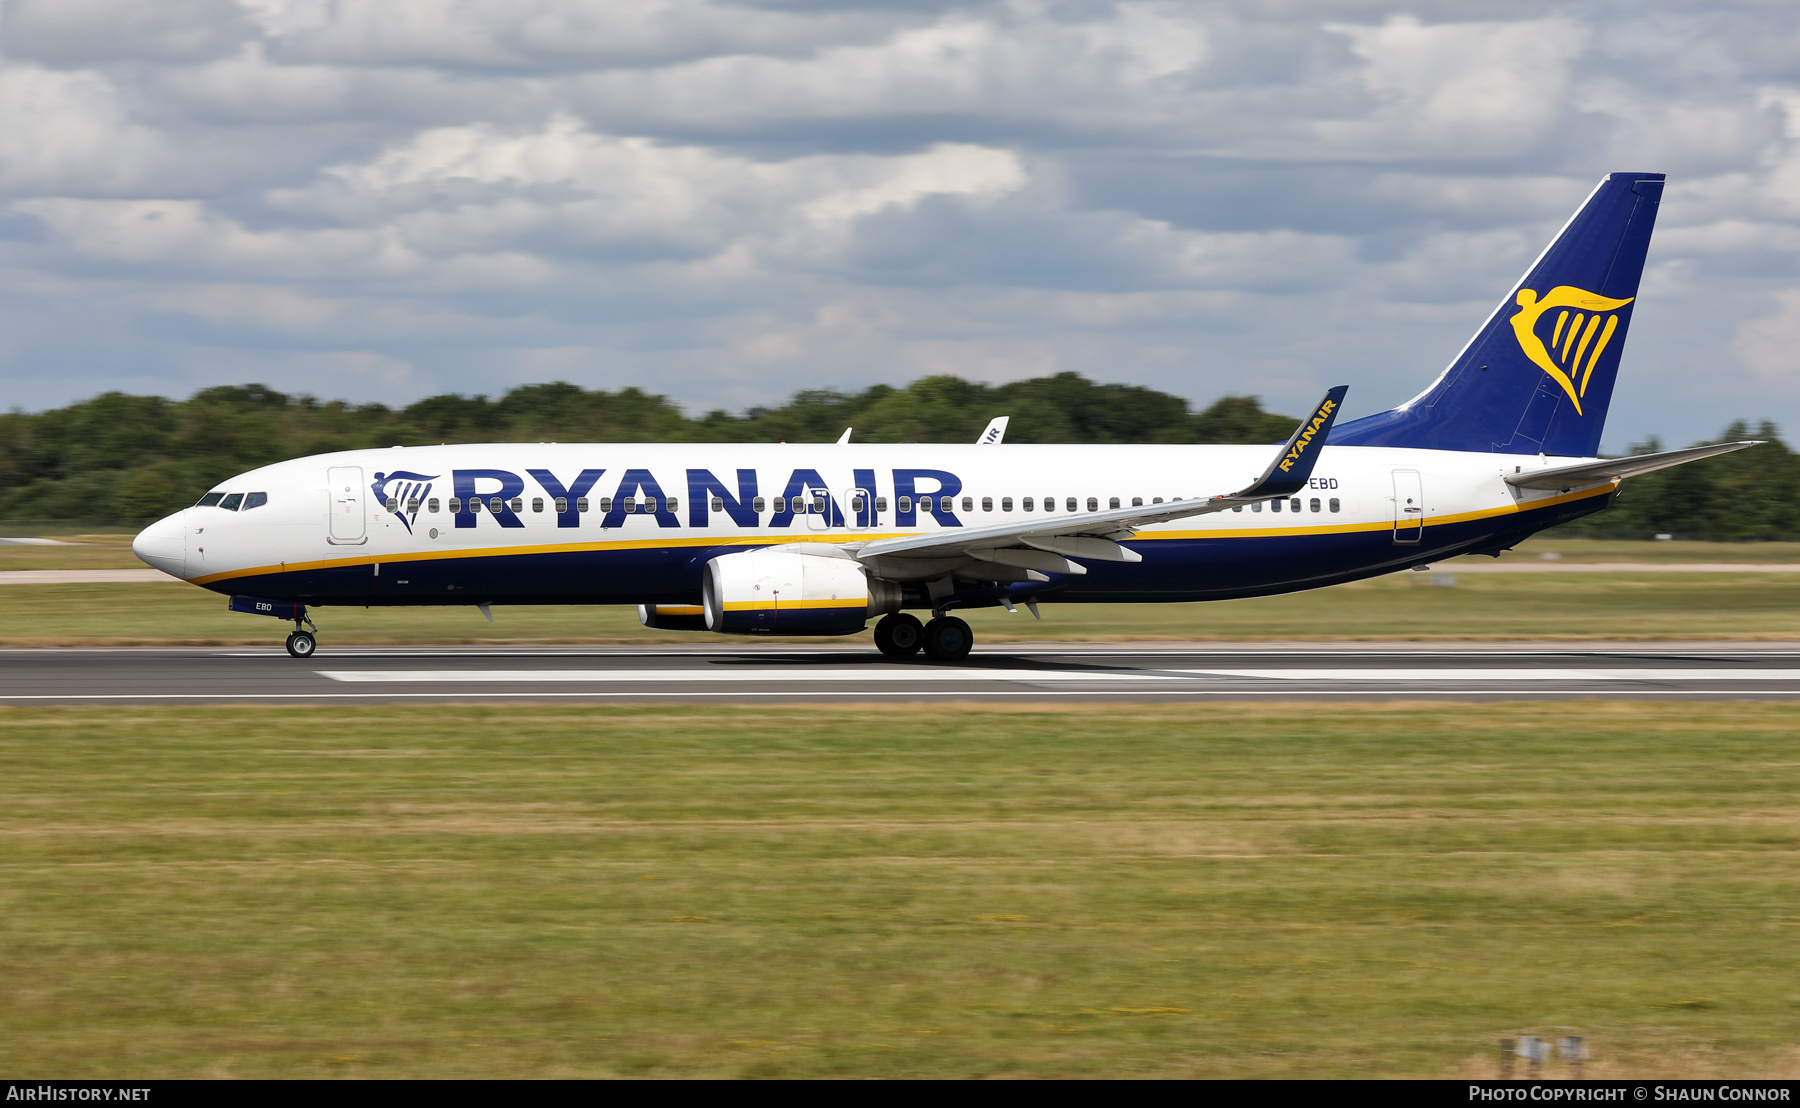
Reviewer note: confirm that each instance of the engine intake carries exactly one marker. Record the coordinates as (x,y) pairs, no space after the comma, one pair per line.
(778,592)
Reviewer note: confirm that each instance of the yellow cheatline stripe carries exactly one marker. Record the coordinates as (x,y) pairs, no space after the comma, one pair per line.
(863,536)
(783,605)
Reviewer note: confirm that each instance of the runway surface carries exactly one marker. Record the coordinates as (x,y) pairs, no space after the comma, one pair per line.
(1002,672)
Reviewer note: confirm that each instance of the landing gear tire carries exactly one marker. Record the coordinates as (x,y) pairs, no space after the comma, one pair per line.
(948,639)
(301,644)
(899,636)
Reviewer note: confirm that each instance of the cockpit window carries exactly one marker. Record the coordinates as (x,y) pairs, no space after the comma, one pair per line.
(231,502)
(211,499)
(255,500)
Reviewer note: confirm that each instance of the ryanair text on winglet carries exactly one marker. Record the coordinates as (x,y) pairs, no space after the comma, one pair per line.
(1306,436)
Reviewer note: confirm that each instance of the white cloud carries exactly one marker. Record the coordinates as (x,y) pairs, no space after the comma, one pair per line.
(1770,345)
(1470,90)
(732,200)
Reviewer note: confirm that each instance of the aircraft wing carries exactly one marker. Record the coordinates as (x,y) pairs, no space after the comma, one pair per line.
(1612,469)
(1041,544)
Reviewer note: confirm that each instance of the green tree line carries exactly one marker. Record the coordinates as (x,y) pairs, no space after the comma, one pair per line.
(127,457)
(135,457)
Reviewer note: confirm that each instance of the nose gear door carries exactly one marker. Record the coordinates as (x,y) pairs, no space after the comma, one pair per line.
(346,495)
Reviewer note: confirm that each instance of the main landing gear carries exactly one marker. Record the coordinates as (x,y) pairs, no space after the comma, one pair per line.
(944,639)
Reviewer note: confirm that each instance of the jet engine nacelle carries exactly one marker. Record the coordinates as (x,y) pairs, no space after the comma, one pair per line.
(777,592)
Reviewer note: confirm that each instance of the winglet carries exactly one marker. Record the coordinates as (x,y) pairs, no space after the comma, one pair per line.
(995,432)
(1290,469)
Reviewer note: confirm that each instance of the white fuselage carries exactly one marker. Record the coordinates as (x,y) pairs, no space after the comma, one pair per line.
(380,526)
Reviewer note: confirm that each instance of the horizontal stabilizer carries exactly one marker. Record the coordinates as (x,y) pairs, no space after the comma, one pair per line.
(1612,469)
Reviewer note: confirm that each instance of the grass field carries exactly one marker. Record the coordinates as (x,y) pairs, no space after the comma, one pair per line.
(854,891)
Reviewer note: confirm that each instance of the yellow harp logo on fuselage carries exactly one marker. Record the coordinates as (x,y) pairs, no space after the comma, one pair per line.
(1584,326)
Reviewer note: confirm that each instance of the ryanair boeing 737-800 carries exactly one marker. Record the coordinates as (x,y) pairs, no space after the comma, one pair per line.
(818,539)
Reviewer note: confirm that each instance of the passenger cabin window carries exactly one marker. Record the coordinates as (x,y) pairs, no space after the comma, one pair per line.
(496,505)
(1025,504)
(231,503)
(1294,504)
(969,504)
(628,505)
(455,505)
(1237,507)
(758,505)
(581,504)
(210,500)
(780,503)
(562,504)
(1256,507)
(1274,505)
(392,503)
(1137,502)
(1156,500)
(818,506)
(718,503)
(881,503)
(537,503)
(905,504)
(1006,503)
(987,503)
(1113,503)
(1073,507)
(1315,504)
(673,503)
(925,504)
(258,499)
(1334,504)
(518,504)
(432,505)
(474,505)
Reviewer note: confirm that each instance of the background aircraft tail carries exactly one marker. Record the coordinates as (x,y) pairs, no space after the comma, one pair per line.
(1538,376)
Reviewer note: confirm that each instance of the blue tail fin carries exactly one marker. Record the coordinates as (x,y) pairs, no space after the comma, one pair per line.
(1538,377)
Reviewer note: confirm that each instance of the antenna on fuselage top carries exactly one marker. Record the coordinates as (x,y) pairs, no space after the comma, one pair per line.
(845,437)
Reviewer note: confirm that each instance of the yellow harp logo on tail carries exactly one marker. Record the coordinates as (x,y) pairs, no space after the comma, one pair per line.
(1585,322)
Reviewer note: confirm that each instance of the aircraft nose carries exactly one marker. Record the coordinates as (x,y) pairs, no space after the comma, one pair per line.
(163,545)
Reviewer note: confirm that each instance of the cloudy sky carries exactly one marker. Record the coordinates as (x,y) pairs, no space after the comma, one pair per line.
(726,202)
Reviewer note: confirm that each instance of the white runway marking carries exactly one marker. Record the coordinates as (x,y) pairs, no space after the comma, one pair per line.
(1518,675)
(921,674)
(861,674)
(1191,692)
